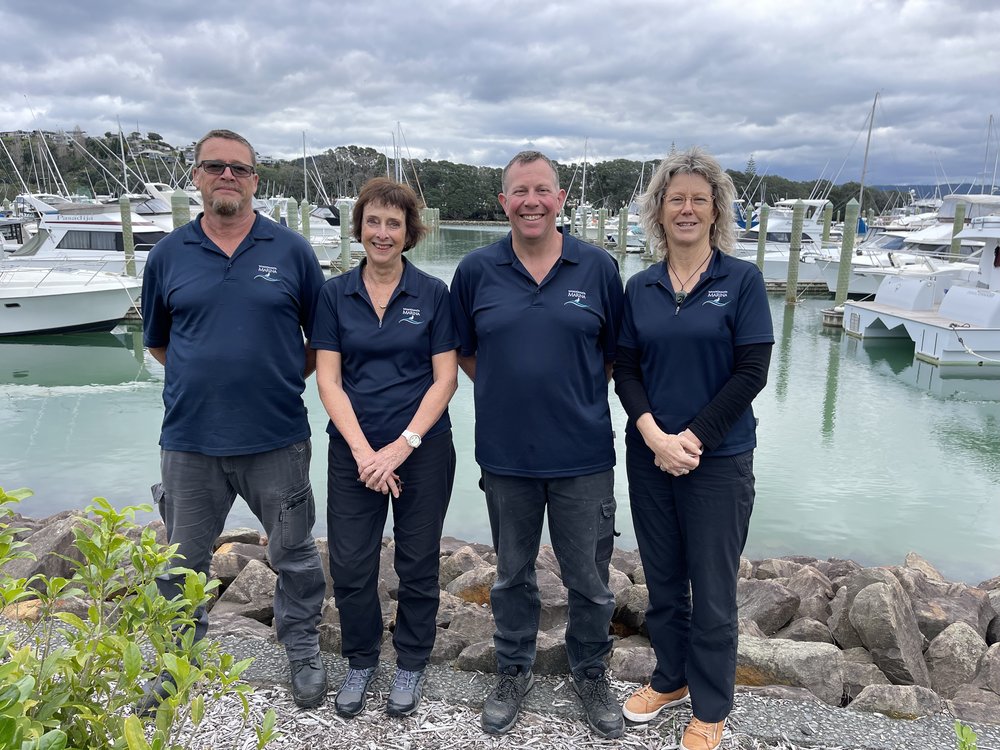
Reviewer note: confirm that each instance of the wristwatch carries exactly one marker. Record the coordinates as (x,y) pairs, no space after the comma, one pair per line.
(412,439)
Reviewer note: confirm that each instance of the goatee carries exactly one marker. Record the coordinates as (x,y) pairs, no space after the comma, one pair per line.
(225,208)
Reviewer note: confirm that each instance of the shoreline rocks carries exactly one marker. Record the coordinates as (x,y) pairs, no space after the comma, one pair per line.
(897,640)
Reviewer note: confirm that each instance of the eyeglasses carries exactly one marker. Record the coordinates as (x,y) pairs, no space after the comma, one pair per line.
(211,166)
(697,201)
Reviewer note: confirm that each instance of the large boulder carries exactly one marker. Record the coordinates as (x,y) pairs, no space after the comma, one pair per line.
(815,592)
(898,701)
(251,594)
(472,624)
(387,567)
(916,562)
(447,646)
(988,670)
(804,629)
(887,627)
(625,561)
(474,586)
(937,604)
(859,676)
(448,605)
(631,606)
(818,667)
(458,562)
(231,557)
(550,652)
(767,603)
(977,704)
(840,608)
(953,658)
(633,664)
(236,626)
(240,536)
(478,657)
(53,545)
(555,600)
(546,560)
(776,567)
(617,581)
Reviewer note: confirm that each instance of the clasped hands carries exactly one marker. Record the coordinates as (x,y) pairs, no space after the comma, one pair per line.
(377,469)
(678,454)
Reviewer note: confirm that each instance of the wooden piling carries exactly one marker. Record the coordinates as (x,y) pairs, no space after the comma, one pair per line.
(180,208)
(602,222)
(827,221)
(956,227)
(794,249)
(128,238)
(304,210)
(847,251)
(292,214)
(764,212)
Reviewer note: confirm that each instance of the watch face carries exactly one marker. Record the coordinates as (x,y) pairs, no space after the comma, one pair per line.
(414,441)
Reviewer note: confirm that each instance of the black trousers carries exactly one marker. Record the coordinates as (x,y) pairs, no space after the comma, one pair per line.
(356,518)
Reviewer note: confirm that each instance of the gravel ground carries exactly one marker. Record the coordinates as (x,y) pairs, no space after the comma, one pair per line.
(551,718)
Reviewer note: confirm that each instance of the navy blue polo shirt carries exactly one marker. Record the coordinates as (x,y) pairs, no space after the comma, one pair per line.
(386,365)
(233,328)
(541,390)
(686,358)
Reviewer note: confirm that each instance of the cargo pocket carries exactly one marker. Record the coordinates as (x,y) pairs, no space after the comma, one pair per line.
(606,536)
(298,514)
(159,500)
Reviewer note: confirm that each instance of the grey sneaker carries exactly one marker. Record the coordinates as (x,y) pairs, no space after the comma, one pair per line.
(407,689)
(350,698)
(603,712)
(504,703)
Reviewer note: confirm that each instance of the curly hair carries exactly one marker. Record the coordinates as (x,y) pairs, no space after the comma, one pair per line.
(388,192)
(693,161)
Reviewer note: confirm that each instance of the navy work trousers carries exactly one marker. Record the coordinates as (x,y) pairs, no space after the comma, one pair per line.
(355,521)
(197,494)
(581,527)
(691,531)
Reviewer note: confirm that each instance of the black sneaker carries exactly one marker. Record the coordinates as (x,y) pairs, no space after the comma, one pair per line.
(603,712)
(350,698)
(407,689)
(308,681)
(504,702)
(154,693)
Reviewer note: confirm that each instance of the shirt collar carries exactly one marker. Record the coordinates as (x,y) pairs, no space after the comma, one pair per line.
(570,250)
(407,282)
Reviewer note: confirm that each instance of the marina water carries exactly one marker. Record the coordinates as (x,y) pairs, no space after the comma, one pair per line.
(863,452)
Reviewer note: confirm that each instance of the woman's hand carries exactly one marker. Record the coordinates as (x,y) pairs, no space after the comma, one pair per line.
(378,470)
(678,454)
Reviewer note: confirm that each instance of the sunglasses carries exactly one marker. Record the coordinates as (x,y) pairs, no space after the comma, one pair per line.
(214,167)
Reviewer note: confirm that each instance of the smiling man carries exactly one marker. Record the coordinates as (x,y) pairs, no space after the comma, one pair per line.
(537,315)
(227,306)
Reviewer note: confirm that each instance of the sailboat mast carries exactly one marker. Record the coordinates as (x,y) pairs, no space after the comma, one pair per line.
(868,143)
(305,172)
(583,187)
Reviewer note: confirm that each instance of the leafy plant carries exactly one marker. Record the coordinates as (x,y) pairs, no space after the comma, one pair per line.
(70,680)
(966,737)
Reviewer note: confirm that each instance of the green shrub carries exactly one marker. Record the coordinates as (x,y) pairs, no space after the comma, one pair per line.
(71,681)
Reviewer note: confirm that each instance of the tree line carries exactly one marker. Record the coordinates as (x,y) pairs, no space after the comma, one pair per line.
(95,165)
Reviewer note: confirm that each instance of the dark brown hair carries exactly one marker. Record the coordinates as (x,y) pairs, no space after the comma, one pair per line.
(388,192)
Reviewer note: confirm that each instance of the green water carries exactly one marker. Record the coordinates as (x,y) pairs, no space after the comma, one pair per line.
(863,452)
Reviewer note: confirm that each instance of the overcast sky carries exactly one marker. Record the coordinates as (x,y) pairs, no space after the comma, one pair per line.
(790,82)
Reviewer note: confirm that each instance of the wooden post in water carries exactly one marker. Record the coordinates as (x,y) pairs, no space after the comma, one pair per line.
(827,221)
(794,248)
(304,210)
(276,212)
(847,251)
(623,229)
(292,213)
(128,239)
(180,208)
(602,222)
(345,241)
(956,243)
(763,213)
(572,222)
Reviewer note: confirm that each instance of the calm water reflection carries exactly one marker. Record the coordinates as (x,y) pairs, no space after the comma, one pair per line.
(864,453)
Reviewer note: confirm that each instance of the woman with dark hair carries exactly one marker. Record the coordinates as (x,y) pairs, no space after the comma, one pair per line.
(693,353)
(386,368)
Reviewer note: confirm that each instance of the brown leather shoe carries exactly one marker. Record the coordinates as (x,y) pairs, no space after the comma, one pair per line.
(702,735)
(645,703)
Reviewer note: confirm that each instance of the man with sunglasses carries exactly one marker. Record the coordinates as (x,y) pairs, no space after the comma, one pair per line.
(227,307)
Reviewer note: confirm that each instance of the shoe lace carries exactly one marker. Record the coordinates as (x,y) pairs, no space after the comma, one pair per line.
(405,680)
(709,731)
(356,679)
(311,662)
(507,688)
(596,690)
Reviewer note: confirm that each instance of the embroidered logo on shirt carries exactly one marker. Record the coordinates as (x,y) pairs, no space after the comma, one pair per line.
(410,315)
(267,273)
(718,298)
(577,299)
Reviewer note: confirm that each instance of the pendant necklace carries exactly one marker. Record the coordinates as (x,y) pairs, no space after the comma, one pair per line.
(681,295)
(373,285)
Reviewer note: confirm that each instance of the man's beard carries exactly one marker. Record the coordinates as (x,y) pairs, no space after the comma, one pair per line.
(224,207)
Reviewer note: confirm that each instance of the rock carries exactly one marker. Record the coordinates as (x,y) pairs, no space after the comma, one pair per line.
(990,584)
(251,594)
(815,592)
(993,629)
(323,548)
(633,641)
(804,629)
(231,557)
(478,657)
(475,585)
(230,624)
(858,655)
(749,627)
(988,670)
(625,561)
(745,569)
(555,600)
(834,569)
(546,560)
(387,567)
(330,638)
(859,676)
(460,561)
(50,545)
(844,634)
(31,610)
(817,667)
(635,664)
(783,692)
(898,701)
(159,530)
(617,581)
(882,617)
(639,575)
(916,562)
(767,603)
(450,545)
(937,604)
(447,647)
(953,658)
(776,568)
(976,704)
(241,536)
(472,624)
(448,605)
(550,652)
(631,606)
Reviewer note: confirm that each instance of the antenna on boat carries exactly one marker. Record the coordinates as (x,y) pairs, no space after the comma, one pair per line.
(864,165)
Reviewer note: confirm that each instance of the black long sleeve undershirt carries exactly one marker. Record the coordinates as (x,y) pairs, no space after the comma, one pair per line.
(714,421)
